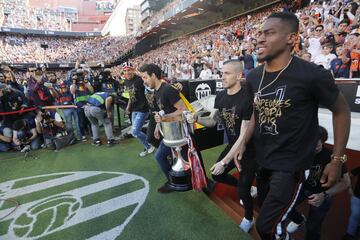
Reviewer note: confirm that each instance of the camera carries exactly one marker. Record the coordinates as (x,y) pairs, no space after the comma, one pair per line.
(79,76)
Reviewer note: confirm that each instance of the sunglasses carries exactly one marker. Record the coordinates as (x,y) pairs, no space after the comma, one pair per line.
(318,30)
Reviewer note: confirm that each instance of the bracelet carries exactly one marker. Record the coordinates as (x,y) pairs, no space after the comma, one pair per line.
(341,159)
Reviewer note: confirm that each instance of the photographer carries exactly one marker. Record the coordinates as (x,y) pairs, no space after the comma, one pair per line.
(65,98)
(98,109)
(24,133)
(51,126)
(12,100)
(39,94)
(104,82)
(81,90)
(9,78)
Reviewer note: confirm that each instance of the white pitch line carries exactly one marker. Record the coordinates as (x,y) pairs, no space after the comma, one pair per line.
(79,192)
(48,184)
(96,210)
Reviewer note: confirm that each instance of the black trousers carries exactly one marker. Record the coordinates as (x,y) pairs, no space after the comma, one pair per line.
(247,175)
(150,132)
(277,192)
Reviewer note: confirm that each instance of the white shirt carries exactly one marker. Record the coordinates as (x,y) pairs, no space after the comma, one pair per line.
(205,74)
(324,60)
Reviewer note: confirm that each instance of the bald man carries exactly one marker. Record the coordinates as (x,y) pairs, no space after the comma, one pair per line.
(233,108)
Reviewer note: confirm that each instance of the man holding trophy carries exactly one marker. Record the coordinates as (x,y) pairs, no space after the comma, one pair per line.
(171,114)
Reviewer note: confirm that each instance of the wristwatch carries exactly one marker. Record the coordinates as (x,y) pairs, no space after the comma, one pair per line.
(223,164)
(326,195)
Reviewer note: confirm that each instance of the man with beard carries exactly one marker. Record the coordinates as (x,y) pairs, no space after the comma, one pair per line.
(288,91)
(171,105)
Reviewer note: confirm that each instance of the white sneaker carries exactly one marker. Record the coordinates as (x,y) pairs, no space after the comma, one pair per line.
(151,149)
(293,227)
(147,151)
(246,224)
(253,192)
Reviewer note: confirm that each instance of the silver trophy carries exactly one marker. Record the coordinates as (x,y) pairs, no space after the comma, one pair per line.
(175,136)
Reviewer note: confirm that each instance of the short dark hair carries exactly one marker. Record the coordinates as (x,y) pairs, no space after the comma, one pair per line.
(323,134)
(19,124)
(288,18)
(151,69)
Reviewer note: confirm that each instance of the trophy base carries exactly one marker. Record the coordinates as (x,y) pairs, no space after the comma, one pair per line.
(180,181)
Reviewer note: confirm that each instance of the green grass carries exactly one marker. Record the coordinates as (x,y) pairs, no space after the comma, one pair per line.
(185,215)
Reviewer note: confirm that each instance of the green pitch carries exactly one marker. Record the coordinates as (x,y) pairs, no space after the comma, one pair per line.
(88,192)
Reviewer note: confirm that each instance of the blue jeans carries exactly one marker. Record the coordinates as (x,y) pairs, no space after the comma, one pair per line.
(4,147)
(69,115)
(161,156)
(138,119)
(83,121)
(354,218)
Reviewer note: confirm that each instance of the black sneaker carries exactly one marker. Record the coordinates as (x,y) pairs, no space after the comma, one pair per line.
(164,189)
(97,142)
(111,142)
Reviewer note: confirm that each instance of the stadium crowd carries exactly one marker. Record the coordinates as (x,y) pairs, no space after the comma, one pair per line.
(329,35)
(25,49)
(18,14)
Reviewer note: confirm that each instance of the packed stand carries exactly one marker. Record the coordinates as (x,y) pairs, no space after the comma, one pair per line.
(329,35)
(18,14)
(25,49)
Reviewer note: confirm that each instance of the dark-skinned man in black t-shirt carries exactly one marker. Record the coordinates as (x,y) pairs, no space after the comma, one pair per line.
(233,108)
(287,93)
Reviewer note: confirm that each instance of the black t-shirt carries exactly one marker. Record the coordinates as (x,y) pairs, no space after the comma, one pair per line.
(150,98)
(166,97)
(312,183)
(356,172)
(137,94)
(286,113)
(233,109)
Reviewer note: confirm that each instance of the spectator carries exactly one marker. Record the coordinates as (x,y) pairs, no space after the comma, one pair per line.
(340,66)
(206,73)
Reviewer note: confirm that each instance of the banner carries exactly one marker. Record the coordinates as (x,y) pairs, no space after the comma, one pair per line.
(48,32)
